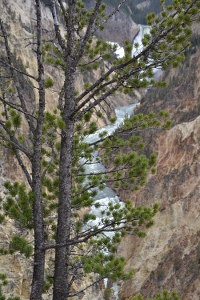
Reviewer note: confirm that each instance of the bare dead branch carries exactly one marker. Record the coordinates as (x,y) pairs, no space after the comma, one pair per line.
(92,284)
(17,70)
(23,105)
(56,26)
(13,105)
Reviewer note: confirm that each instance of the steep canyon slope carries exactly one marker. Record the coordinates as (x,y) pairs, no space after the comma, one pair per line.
(169,257)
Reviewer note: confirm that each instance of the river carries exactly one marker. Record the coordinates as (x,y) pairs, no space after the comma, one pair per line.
(108,195)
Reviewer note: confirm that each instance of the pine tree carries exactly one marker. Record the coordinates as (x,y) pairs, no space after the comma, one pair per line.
(56,147)
(164,296)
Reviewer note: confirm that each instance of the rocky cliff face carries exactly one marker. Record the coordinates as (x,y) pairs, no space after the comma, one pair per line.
(120,27)
(169,257)
(164,257)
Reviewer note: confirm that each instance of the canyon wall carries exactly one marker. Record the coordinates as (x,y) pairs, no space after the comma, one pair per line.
(169,256)
(119,27)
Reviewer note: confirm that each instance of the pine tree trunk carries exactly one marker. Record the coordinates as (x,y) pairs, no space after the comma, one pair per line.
(61,276)
(39,256)
(61,291)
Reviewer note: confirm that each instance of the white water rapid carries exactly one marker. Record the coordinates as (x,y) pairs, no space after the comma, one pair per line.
(107,195)
(144,29)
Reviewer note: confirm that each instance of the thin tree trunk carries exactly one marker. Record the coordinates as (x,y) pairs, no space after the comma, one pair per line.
(61,280)
(39,256)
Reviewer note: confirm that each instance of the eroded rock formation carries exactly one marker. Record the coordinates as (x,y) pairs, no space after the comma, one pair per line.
(169,256)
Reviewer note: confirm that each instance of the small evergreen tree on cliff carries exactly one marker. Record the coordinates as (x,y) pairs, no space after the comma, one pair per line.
(52,148)
(164,296)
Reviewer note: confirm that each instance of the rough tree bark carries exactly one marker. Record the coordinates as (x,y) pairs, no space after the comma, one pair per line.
(39,256)
(61,289)
(61,282)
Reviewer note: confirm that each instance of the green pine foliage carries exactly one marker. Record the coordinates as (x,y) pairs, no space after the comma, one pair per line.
(130,172)
(3,283)
(20,244)
(19,204)
(164,296)
(91,248)
(48,82)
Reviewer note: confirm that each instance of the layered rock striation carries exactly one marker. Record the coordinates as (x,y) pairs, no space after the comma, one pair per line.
(169,256)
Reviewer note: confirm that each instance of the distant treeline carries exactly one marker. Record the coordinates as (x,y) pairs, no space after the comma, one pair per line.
(129,7)
(46,1)
(138,15)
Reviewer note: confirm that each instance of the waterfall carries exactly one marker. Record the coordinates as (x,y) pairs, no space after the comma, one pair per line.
(144,29)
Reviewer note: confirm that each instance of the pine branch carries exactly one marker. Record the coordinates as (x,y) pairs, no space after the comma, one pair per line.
(14,141)
(14,106)
(88,34)
(64,12)
(20,161)
(92,284)
(17,70)
(93,94)
(85,236)
(23,105)
(109,16)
